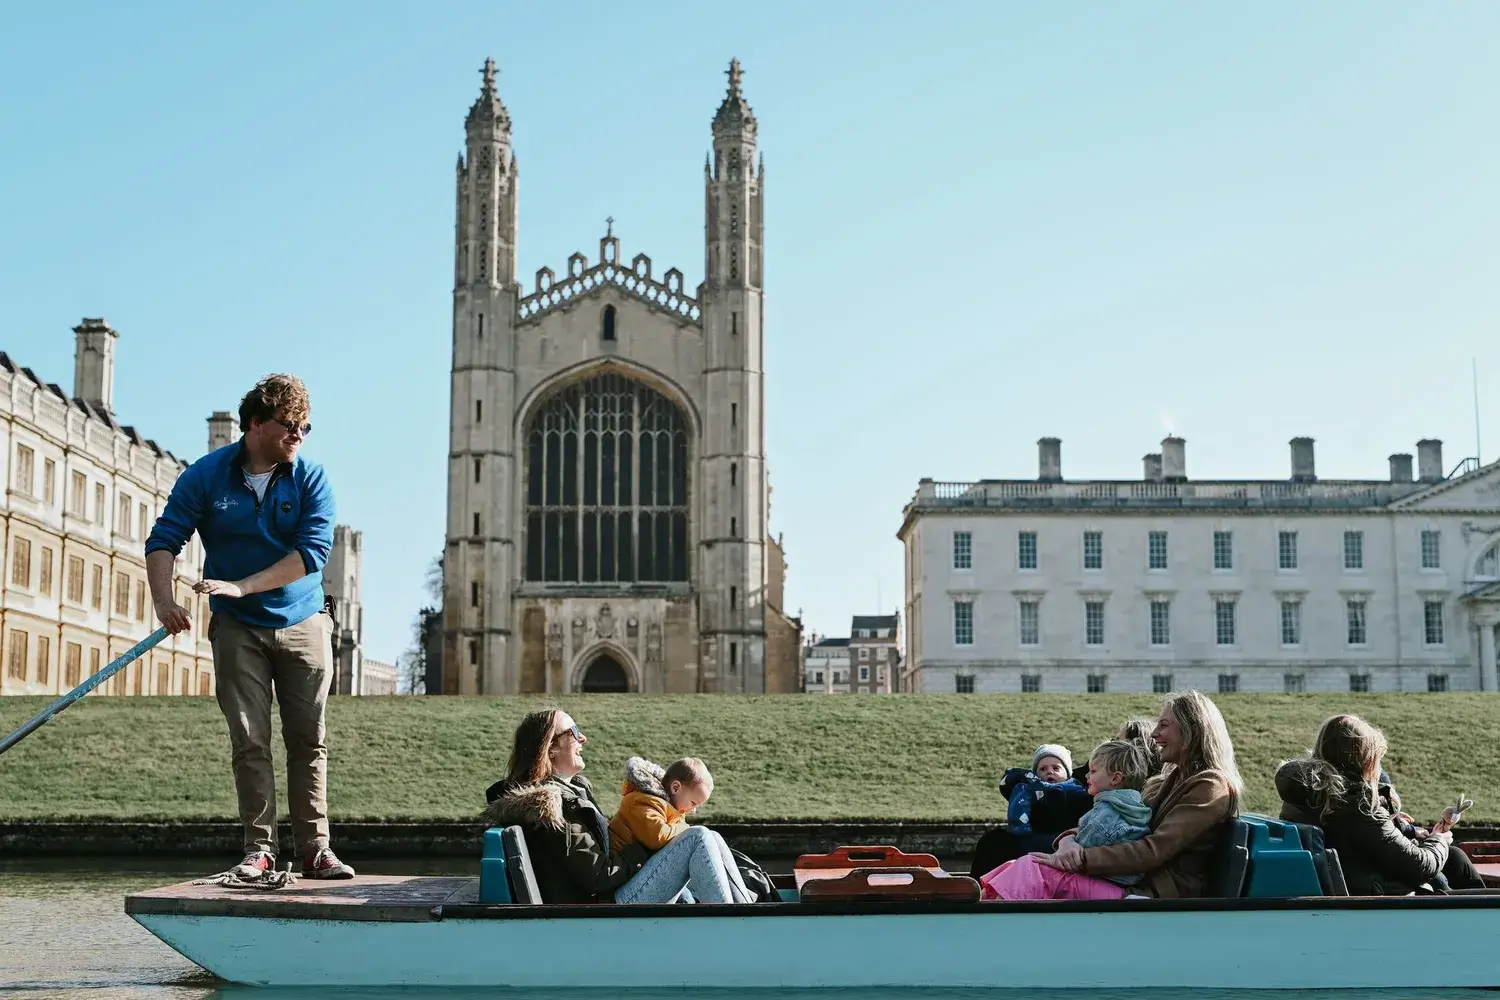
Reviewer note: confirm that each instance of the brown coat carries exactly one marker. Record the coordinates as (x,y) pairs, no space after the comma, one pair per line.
(1177,856)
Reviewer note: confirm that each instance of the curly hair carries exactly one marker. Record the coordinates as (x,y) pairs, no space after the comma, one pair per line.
(276,397)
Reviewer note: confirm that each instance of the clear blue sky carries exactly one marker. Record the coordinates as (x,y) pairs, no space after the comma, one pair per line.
(986,223)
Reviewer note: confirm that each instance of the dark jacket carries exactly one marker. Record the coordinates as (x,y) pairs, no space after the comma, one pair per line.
(1177,857)
(1042,807)
(568,839)
(1377,858)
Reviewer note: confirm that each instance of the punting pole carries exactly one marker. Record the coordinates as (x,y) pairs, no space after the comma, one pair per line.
(46,714)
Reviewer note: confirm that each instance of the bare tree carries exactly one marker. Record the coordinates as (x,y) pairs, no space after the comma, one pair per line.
(412,669)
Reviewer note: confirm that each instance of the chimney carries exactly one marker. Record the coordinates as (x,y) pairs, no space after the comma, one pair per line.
(1049,460)
(221,430)
(1302,460)
(1152,467)
(1430,460)
(1401,468)
(94,364)
(1173,460)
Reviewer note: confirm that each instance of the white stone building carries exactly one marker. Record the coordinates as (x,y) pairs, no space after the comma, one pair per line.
(1244,585)
(608,503)
(825,665)
(81,493)
(867,662)
(377,678)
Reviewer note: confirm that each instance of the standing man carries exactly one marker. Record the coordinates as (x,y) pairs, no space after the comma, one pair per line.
(265,516)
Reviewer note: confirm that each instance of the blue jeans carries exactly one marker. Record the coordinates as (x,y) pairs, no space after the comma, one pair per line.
(696,861)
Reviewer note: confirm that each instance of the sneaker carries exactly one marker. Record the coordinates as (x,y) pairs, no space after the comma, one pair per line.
(325,864)
(255,865)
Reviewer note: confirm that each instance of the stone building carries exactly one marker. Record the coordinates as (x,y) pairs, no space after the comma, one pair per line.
(868,661)
(608,501)
(825,665)
(1165,582)
(82,492)
(377,678)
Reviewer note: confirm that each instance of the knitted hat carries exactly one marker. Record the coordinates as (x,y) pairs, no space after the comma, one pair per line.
(1053,750)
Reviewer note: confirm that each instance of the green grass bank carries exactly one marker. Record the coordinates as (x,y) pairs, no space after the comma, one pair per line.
(914,757)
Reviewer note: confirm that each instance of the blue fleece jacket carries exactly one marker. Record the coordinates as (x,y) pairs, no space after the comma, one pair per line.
(242,535)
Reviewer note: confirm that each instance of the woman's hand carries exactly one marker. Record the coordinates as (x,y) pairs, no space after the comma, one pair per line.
(1067,858)
(1442,826)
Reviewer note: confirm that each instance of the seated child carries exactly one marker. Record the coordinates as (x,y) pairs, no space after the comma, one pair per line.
(656,802)
(1044,800)
(1117,772)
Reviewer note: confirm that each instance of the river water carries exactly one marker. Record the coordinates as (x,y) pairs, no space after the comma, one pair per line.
(64,934)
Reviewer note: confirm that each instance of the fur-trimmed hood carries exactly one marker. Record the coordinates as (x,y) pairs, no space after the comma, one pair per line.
(644,776)
(520,804)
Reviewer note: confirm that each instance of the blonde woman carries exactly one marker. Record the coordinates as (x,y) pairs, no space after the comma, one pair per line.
(1198,789)
(1336,787)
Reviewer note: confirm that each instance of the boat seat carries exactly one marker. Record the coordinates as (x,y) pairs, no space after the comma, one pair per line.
(523,885)
(494,879)
(1232,863)
(1287,859)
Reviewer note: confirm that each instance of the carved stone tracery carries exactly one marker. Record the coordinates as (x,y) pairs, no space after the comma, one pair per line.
(635,280)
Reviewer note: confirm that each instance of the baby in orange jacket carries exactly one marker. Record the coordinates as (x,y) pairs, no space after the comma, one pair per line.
(656,802)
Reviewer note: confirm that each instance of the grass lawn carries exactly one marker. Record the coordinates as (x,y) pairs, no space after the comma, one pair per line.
(928,757)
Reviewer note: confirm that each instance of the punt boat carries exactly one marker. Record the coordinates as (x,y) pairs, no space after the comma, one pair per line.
(857,917)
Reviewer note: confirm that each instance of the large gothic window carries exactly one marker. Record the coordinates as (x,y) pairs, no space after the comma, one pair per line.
(607,485)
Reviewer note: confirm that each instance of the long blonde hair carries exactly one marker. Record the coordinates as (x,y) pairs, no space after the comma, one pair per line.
(1205,742)
(1353,749)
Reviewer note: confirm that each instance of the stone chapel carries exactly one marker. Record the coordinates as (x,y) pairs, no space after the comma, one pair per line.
(608,501)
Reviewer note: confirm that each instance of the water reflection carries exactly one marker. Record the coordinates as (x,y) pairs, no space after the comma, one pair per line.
(64,935)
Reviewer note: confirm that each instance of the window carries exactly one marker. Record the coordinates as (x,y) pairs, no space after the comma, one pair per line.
(122,595)
(1156,550)
(963,683)
(123,510)
(1354,615)
(1093,623)
(99,502)
(138,675)
(20,562)
(734,527)
(1093,550)
(1432,555)
(473,652)
(478,465)
(1161,623)
(963,623)
(734,473)
(1098,683)
(478,410)
(817,677)
(140,604)
(45,584)
(25,480)
(43,658)
(864,653)
(142,519)
(93,661)
(963,550)
(479,326)
(1030,630)
(607,324)
(474,593)
(1229,683)
(1437,683)
(1286,550)
(606,484)
(1224,623)
(1026,550)
(734,597)
(1291,623)
(1354,550)
(1294,683)
(1432,623)
(734,657)
(1359,683)
(163,679)
(864,674)
(734,414)
(187,682)
(78,495)
(1223,550)
(96,592)
(73,665)
(1031,683)
(1161,683)
(17,663)
(477,530)
(205,685)
(75,579)
(49,481)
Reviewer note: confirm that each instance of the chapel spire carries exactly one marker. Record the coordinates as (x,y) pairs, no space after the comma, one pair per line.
(489,109)
(734,113)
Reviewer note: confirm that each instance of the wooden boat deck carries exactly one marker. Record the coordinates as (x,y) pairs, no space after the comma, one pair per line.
(385,898)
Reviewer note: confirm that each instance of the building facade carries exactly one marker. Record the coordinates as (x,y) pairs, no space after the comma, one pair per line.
(1247,585)
(608,500)
(868,661)
(825,665)
(377,678)
(82,492)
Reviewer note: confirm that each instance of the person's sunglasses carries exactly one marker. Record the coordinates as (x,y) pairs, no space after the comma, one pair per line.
(572,731)
(301,431)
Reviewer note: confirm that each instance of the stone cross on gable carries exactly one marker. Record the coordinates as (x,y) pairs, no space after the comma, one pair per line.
(610,224)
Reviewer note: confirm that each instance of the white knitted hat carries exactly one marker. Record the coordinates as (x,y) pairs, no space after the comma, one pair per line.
(1053,750)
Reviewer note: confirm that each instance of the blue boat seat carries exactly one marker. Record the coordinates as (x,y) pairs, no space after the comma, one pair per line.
(523,887)
(494,880)
(1287,859)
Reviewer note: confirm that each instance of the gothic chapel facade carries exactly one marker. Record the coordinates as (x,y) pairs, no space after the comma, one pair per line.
(608,501)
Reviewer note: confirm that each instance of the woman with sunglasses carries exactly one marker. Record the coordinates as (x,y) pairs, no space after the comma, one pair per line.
(567,834)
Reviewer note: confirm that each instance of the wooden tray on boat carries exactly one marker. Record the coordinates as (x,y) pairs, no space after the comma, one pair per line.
(891,883)
(844,861)
(1486,857)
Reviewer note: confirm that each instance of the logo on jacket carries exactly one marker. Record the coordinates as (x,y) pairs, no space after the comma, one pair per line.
(226,503)
(286,506)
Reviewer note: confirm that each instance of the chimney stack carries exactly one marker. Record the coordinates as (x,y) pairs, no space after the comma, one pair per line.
(1401,468)
(1173,460)
(1049,460)
(1302,460)
(94,364)
(222,430)
(1152,467)
(1430,460)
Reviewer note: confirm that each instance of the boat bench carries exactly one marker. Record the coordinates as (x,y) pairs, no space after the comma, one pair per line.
(1264,858)
(505,871)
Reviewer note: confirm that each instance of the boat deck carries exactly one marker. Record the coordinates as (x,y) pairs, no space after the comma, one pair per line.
(384,898)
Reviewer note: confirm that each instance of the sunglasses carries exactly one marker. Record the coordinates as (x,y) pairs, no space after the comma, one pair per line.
(572,731)
(302,430)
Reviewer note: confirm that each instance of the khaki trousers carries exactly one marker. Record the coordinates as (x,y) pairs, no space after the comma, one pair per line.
(298,661)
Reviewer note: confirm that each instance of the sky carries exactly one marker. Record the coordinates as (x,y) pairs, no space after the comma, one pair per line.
(985,223)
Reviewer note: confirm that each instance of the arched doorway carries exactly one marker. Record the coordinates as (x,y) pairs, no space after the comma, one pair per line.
(605,675)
